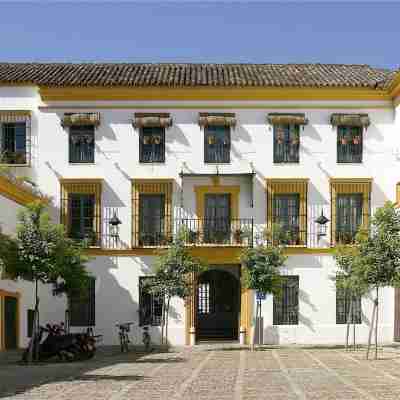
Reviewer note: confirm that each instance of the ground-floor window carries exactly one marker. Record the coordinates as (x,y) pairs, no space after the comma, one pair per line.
(150,305)
(82,307)
(286,304)
(346,304)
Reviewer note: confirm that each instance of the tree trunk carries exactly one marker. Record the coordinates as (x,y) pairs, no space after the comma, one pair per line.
(260,333)
(166,323)
(349,314)
(376,323)
(371,329)
(162,321)
(253,330)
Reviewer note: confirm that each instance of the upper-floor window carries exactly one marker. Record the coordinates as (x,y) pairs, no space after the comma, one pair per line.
(350,208)
(287,207)
(286,303)
(152,145)
(81,143)
(286,143)
(286,213)
(349,144)
(13,144)
(348,216)
(217,144)
(81,209)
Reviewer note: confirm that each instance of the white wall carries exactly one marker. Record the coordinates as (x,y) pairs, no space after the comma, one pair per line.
(117,147)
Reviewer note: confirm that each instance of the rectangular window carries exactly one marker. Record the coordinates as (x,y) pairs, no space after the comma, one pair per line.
(286,304)
(82,307)
(349,214)
(150,305)
(286,210)
(81,144)
(152,220)
(286,143)
(81,217)
(13,143)
(217,144)
(343,304)
(350,144)
(152,145)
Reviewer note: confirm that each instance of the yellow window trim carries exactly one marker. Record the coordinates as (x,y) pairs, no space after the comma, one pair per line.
(151,186)
(16,193)
(350,186)
(275,186)
(201,192)
(82,186)
(16,295)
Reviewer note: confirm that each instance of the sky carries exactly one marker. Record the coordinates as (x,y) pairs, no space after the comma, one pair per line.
(361,32)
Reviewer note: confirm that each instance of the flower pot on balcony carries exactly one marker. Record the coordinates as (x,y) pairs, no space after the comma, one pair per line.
(157,139)
(211,140)
(343,141)
(146,140)
(238,236)
(356,140)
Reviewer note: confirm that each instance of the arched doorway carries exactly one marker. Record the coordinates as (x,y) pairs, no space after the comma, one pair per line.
(218,305)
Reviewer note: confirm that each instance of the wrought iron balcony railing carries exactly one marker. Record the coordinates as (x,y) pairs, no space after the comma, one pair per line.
(196,232)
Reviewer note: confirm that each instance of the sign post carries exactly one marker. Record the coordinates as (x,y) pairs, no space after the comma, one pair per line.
(260,296)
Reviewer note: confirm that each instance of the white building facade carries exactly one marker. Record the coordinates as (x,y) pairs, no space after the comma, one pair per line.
(222,161)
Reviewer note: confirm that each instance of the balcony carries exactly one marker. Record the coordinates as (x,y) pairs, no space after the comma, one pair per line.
(196,232)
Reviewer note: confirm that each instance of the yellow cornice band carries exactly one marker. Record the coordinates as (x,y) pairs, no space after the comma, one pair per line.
(200,93)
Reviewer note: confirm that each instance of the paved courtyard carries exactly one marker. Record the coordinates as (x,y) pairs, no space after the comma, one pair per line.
(211,373)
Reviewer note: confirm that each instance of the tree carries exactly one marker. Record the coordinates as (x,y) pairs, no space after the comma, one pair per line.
(347,282)
(378,263)
(41,252)
(262,266)
(174,277)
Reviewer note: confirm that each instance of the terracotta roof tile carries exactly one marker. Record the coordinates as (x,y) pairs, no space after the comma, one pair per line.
(189,75)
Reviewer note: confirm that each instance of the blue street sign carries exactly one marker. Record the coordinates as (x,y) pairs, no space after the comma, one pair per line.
(261,295)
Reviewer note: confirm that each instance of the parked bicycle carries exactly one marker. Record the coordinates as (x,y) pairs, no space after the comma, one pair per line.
(124,341)
(123,334)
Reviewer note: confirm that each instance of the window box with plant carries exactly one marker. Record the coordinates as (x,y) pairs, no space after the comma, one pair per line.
(152,145)
(286,143)
(217,144)
(349,144)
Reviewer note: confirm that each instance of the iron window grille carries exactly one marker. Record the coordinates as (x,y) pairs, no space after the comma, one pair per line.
(151,212)
(217,144)
(349,215)
(15,143)
(343,303)
(152,145)
(286,304)
(286,143)
(82,307)
(203,302)
(350,144)
(152,220)
(286,213)
(81,144)
(150,304)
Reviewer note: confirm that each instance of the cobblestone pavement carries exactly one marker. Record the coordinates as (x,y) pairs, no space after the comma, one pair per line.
(211,373)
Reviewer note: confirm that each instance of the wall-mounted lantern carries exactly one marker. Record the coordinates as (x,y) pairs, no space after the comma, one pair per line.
(114,226)
(322,227)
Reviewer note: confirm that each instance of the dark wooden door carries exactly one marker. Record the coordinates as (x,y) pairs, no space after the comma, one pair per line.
(218,305)
(10,322)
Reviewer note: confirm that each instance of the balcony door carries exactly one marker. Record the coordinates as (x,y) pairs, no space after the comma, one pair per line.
(217,218)
(151,219)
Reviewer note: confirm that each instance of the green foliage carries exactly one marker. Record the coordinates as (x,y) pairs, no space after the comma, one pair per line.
(42,252)
(347,279)
(263,262)
(173,269)
(378,263)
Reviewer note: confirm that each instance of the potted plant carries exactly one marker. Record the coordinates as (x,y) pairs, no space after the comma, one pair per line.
(295,139)
(157,139)
(357,139)
(211,139)
(343,140)
(279,138)
(238,236)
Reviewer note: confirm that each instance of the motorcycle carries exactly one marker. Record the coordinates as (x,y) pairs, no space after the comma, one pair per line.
(65,346)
